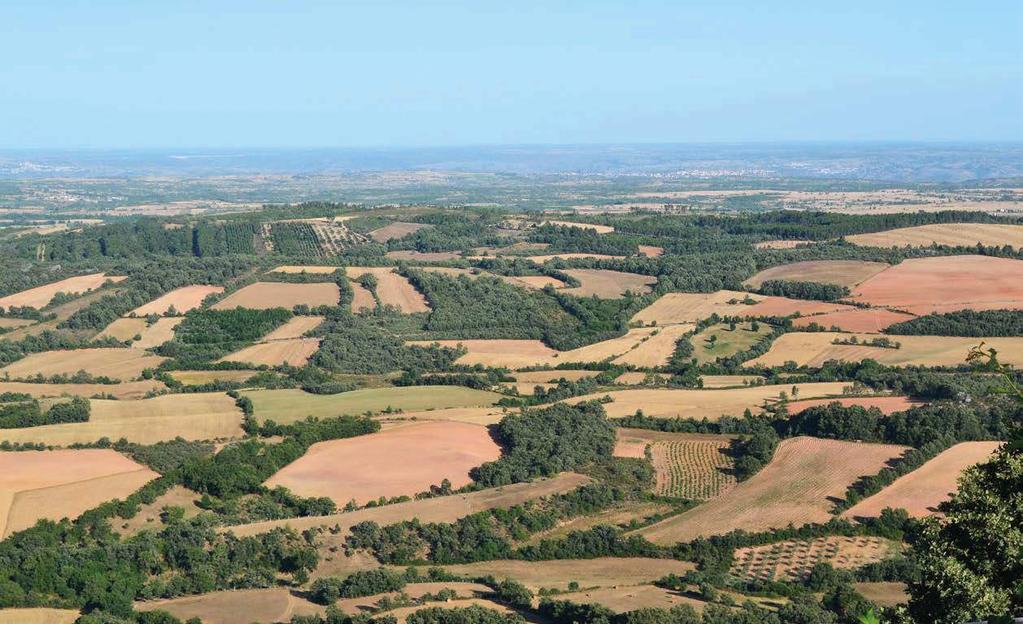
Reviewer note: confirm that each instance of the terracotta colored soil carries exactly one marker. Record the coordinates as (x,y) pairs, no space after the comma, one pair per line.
(861,320)
(404,460)
(887,404)
(846,273)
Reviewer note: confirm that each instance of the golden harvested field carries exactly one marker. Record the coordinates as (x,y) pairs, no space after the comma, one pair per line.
(58,484)
(526,388)
(545,258)
(846,273)
(393,289)
(673,308)
(920,491)
(38,615)
(793,560)
(181,299)
(123,390)
(637,378)
(629,598)
(12,323)
(863,320)
(729,381)
(609,284)
(294,352)
(123,364)
(815,348)
(508,353)
(439,509)
(198,378)
(599,572)
(533,282)
(239,606)
(40,296)
(296,327)
(422,256)
(402,614)
(946,283)
(266,295)
(600,229)
(151,336)
(312,270)
(196,416)
(686,465)
(396,230)
(60,313)
(415,590)
(718,341)
(362,299)
(654,349)
(403,460)
(651,251)
(884,594)
(287,406)
(951,234)
(710,404)
(474,415)
(796,487)
(887,404)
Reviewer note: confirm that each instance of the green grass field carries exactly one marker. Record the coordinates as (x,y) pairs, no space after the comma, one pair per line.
(728,342)
(286,406)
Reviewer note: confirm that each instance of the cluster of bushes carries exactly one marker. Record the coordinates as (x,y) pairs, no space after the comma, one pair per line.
(963,323)
(26,412)
(803,290)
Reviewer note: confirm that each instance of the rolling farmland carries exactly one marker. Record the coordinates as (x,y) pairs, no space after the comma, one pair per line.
(182,300)
(122,364)
(266,295)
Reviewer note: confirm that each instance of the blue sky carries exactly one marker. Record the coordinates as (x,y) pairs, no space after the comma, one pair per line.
(104,73)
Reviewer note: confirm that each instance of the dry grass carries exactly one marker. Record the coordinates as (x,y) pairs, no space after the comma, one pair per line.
(710,404)
(396,230)
(14,323)
(181,299)
(675,308)
(550,376)
(729,381)
(296,327)
(509,353)
(629,598)
(123,364)
(793,560)
(814,348)
(362,299)
(399,461)
(236,606)
(40,296)
(599,572)
(781,244)
(294,352)
(150,336)
(862,320)
(654,349)
(887,404)
(62,484)
(796,487)
(637,378)
(651,251)
(599,229)
(921,491)
(60,314)
(440,509)
(422,256)
(946,283)
(197,416)
(148,516)
(609,284)
(393,289)
(951,234)
(846,273)
(198,378)
(473,415)
(312,270)
(543,259)
(884,594)
(123,390)
(38,615)
(266,295)
(287,406)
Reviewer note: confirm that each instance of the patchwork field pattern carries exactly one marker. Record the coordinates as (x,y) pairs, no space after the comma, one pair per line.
(726,342)
(294,352)
(123,364)
(182,299)
(393,289)
(796,487)
(194,416)
(63,483)
(815,348)
(887,404)
(266,295)
(150,336)
(296,327)
(686,465)
(709,404)
(403,460)
(951,234)
(793,560)
(674,308)
(846,273)
(861,320)
(123,390)
(920,491)
(40,296)
(599,572)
